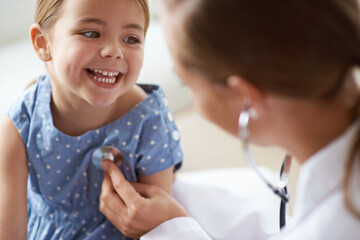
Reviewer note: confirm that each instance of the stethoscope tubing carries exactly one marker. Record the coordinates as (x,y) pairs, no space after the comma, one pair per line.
(280,189)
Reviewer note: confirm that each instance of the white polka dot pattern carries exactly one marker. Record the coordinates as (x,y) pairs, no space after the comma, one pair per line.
(60,167)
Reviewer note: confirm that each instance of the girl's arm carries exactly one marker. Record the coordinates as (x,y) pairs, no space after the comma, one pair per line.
(13,183)
(163,179)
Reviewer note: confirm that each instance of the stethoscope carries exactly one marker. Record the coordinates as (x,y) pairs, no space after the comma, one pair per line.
(106,152)
(280,188)
(113,154)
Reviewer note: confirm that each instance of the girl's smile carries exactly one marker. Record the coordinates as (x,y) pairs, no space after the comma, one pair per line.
(104,78)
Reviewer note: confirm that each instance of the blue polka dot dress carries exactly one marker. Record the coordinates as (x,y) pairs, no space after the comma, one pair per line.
(64,185)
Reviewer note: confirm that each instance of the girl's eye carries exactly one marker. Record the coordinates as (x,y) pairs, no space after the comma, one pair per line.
(91,34)
(131,40)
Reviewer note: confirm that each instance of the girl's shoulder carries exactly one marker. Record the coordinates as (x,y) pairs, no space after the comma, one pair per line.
(149,116)
(34,99)
(31,96)
(151,109)
(155,97)
(142,100)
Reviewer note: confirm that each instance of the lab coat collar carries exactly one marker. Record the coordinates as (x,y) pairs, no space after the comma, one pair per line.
(323,173)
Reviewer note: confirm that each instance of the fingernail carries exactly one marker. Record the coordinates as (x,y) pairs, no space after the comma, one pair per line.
(105,165)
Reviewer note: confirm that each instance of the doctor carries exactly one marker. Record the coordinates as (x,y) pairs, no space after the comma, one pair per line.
(290,64)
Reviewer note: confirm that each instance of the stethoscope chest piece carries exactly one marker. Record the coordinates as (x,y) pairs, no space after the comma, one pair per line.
(106,152)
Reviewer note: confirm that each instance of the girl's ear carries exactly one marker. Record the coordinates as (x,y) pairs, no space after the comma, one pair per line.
(39,42)
(250,93)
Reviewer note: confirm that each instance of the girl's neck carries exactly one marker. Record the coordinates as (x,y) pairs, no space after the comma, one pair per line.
(77,117)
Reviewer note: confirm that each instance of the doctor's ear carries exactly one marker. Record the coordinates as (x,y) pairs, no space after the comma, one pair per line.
(40,42)
(248,91)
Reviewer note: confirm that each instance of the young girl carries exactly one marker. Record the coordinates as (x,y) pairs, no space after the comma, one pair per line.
(291,62)
(93,52)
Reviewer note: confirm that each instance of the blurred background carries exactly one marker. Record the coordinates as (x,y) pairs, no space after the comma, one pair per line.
(205,146)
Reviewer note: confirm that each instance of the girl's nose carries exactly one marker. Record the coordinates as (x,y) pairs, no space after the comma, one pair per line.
(112,49)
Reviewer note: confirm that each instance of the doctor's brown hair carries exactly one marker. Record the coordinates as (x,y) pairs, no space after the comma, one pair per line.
(48,11)
(297,49)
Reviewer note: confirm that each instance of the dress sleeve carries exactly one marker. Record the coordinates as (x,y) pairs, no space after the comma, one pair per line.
(20,112)
(159,144)
(177,229)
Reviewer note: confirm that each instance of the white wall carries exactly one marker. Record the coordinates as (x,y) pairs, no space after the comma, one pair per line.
(154,8)
(16,16)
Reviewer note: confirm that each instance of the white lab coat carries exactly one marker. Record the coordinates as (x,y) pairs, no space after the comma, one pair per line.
(319,211)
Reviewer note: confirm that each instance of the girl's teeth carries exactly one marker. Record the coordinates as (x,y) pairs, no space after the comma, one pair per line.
(105,73)
(105,80)
(109,79)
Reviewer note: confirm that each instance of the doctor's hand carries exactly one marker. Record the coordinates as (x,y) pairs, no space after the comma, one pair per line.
(135,208)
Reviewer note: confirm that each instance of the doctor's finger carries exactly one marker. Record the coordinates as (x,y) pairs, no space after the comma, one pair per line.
(122,187)
(107,200)
(110,200)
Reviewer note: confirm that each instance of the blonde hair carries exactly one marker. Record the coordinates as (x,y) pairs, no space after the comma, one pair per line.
(48,11)
(298,49)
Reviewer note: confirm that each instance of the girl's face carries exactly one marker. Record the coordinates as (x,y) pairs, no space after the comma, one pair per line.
(96,49)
